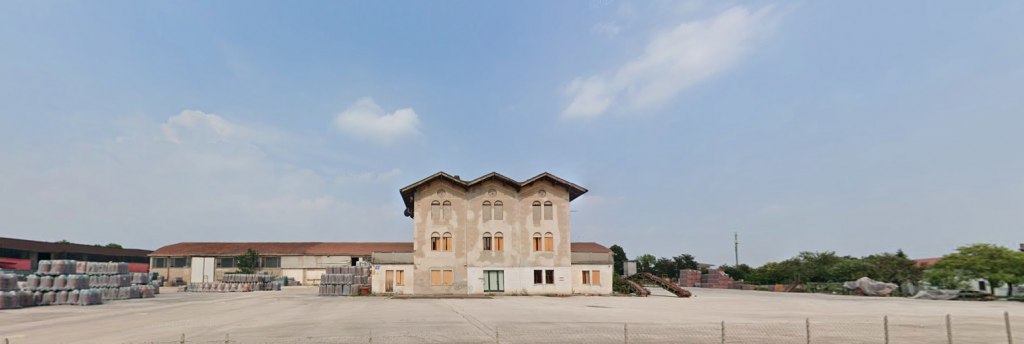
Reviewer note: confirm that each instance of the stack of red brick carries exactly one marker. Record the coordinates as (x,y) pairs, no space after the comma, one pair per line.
(689,278)
(716,279)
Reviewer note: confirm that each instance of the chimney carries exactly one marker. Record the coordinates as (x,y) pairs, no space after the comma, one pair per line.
(459,178)
(1022,247)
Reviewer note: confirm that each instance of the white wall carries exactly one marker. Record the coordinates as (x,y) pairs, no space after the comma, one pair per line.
(519,281)
(378,278)
(605,288)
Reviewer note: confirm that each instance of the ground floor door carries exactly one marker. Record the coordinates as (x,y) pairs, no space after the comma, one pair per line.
(202,269)
(389,281)
(494,281)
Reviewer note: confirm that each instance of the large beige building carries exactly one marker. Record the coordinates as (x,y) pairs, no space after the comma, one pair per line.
(489,235)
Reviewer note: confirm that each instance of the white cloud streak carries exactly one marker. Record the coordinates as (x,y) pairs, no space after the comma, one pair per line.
(673,61)
(365,120)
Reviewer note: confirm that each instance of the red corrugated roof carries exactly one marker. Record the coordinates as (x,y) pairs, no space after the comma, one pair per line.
(592,247)
(52,247)
(282,248)
(926,261)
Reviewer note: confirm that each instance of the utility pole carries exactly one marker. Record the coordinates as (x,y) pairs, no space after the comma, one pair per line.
(736,247)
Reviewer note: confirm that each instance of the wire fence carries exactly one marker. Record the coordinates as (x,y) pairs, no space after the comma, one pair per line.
(919,329)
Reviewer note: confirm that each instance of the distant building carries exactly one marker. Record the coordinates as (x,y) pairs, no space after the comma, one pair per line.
(20,254)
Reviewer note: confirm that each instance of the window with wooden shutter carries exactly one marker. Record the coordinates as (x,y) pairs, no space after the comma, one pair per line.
(449,277)
(586,277)
(435,277)
(446,241)
(435,241)
(537,242)
(549,242)
(486,209)
(399,277)
(595,277)
(487,241)
(499,242)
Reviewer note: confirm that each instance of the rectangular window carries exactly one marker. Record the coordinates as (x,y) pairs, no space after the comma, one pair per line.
(270,262)
(435,243)
(487,243)
(499,244)
(538,276)
(447,243)
(536,244)
(549,276)
(179,262)
(159,262)
(226,262)
(549,243)
(435,277)
(548,211)
(449,277)
(399,277)
(595,277)
(487,212)
(586,277)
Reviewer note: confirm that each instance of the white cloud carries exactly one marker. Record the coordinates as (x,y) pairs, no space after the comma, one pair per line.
(606,29)
(198,122)
(367,121)
(672,61)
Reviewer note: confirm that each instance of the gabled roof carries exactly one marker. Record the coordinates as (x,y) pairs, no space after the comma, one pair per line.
(591,247)
(281,248)
(408,191)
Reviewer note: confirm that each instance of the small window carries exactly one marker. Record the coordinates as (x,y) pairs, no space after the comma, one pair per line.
(399,277)
(435,241)
(536,211)
(435,277)
(549,276)
(435,210)
(595,277)
(537,242)
(487,211)
(446,210)
(270,262)
(499,211)
(179,262)
(226,262)
(159,262)
(548,210)
(487,241)
(538,276)
(549,242)
(449,277)
(586,277)
(499,242)
(446,241)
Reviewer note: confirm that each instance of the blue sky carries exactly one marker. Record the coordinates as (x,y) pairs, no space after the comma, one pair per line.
(857,127)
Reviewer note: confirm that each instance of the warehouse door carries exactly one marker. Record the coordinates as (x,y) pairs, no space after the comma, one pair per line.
(494,281)
(389,281)
(202,269)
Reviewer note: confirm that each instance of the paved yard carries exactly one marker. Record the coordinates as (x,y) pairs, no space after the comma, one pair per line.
(297,315)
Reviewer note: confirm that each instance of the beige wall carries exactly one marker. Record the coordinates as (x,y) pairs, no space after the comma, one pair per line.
(305,269)
(467,228)
(378,279)
(605,286)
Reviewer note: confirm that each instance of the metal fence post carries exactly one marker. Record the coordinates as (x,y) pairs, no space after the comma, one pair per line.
(949,329)
(807,322)
(371,335)
(885,325)
(1009,333)
(625,333)
(182,338)
(227,338)
(723,332)
(497,335)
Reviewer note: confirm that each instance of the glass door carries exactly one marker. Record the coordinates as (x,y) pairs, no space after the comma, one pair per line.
(494,281)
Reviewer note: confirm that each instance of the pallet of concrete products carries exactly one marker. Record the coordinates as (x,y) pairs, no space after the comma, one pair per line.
(8,282)
(9,300)
(140,278)
(110,268)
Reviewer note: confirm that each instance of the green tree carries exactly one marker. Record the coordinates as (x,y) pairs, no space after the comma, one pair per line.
(996,264)
(113,245)
(619,255)
(893,267)
(685,261)
(665,267)
(645,263)
(739,272)
(248,262)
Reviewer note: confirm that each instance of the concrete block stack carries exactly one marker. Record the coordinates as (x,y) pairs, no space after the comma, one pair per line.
(67,282)
(716,278)
(689,278)
(344,280)
(231,283)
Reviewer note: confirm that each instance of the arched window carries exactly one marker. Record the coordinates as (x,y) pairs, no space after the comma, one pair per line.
(549,242)
(536,211)
(435,241)
(435,210)
(487,241)
(548,210)
(499,211)
(446,210)
(487,211)
(499,242)
(537,242)
(446,242)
